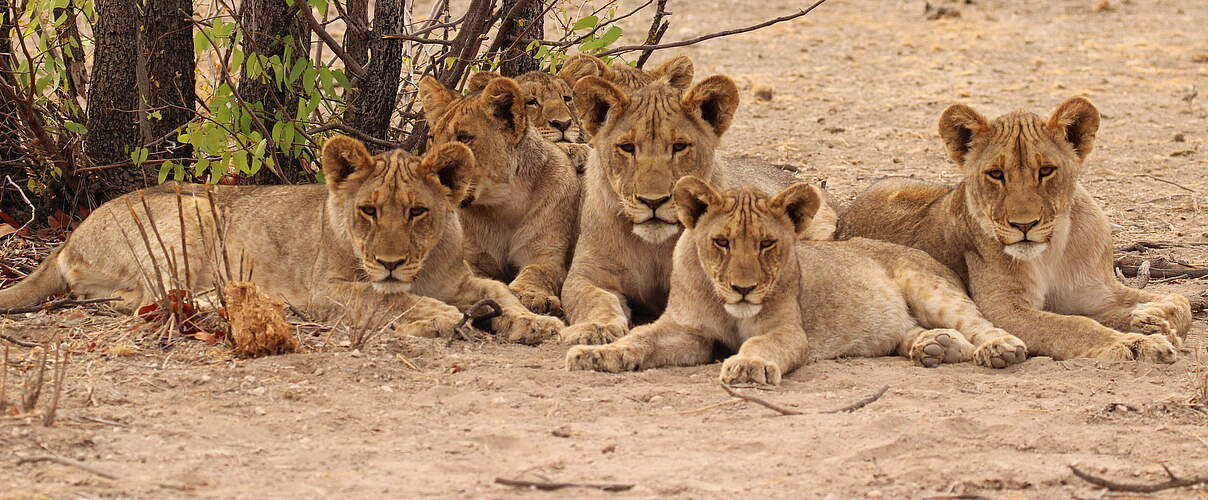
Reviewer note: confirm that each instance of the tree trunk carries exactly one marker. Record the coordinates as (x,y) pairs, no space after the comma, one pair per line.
(372,103)
(10,121)
(528,25)
(167,50)
(356,34)
(113,101)
(265,25)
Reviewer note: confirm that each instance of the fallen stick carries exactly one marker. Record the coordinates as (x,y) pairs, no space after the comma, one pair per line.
(19,342)
(1173,482)
(788,411)
(861,403)
(548,486)
(68,462)
(57,304)
(1161,272)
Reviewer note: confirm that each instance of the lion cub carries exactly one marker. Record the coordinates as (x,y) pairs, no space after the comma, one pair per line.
(1029,241)
(521,212)
(381,239)
(742,276)
(547,100)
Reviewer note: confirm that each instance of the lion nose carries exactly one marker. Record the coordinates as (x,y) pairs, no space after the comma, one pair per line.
(653,203)
(561,125)
(391,265)
(742,290)
(1026,226)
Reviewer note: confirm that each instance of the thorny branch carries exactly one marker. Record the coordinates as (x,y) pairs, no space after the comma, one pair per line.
(1173,482)
(699,39)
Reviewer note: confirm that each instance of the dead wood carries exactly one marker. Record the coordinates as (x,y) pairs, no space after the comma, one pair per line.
(68,462)
(788,411)
(861,403)
(60,372)
(549,486)
(693,41)
(1173,482)
(50,306)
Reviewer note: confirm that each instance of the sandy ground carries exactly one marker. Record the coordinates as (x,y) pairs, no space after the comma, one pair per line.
(858,87)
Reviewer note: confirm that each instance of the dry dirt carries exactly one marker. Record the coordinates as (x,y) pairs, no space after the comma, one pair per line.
(856,90)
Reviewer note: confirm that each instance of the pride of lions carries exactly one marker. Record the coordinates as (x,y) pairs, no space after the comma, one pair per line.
(595,195)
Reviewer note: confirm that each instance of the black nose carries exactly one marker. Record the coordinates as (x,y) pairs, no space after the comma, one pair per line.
(391,265)
(1023,228)
(560,125)
(742,290)
(653,203)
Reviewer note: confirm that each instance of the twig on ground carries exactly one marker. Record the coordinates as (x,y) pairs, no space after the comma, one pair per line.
(693,41)
(4,383)
(1172,183)
(861,403)
(1173,482)
(1141,246)
(68,462)
(1160,272)
(19,342)
(472,315)
(788,411)
(548,486)
(52,305)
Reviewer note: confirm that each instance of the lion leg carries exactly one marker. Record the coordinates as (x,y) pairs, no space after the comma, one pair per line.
(517,323)
(764,359)
(1139,311)
(597,315)
(364,307)
(537,288)
(930,347)
(662,343)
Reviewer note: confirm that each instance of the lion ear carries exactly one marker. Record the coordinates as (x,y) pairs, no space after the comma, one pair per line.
(435,97)
(799,202)
(596,100)
(693,198)
(1076,121)
(480,80)
(714,100)
(959,127)
(581,66)
(450,165)
(677,72)
(346,162)
(504,102)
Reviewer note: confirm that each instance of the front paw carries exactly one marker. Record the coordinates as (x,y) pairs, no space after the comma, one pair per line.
(578,153)
(745,369)
(940,345)
(1170,319)
(1138,347)
(603,358)
(1001,351)
(592,333)
(440,324)
(536,300)
(528,328)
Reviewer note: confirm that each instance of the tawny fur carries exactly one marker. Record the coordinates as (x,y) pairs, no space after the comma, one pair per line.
(548,104)
(1028,240)
(381,239)
(520,217)
(741,277)
(643,142)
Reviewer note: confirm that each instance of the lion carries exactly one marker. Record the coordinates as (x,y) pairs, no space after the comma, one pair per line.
(381,238)
(1026,238)
(676,72)
(547,101)
(520,214)
(643,142)
(742,277)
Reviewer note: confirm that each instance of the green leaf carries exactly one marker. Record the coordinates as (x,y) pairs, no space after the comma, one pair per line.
(200,42)
(75,127)
(341,78)
(320,5)
(611,36)
(201,166)
(586,23)
(178,173)
(163,172)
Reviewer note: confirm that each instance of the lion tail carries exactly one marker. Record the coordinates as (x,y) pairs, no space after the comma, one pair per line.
(46,281)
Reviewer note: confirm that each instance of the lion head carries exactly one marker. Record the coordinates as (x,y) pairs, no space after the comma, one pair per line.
(393,207)
(1020,169)
(492,122)
(676,72)
(547,103)
(647,140)
(743,238)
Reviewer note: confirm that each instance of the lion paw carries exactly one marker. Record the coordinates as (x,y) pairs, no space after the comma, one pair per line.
(592,333)
(940,345)
(536,300)
(744,369)
(528,328)
(578,153)
(440,324)
(603,358)
(1169,319)
(1138,347)
(1002,351)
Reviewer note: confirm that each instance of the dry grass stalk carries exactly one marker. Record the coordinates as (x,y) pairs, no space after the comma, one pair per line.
(4,383)
(258,325)
(60,371)
(1198,375)
(33,388)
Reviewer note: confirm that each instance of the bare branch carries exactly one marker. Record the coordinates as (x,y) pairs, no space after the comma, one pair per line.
(861,403)
(1173,482)
(699,39)
(351,65)
(548,486)
(775,407)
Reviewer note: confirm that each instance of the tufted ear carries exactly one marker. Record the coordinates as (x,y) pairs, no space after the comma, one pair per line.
(346,162)
(799,202)
(435,98)
(450,165)
(581,66)
(677,72)
(714,100)
(504,103)
(959,126)
(480,80)
(596,100)
(694,198)
(1076,121)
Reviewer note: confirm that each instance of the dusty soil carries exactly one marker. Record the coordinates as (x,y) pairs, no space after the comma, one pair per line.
(856,90)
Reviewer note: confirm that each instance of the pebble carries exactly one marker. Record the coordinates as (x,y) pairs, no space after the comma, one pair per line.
(260,411)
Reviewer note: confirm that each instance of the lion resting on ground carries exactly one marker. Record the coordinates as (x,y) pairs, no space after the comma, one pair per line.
(381,236)
(547,102)
(520,213)
(1029,241)
(741,277)
(643,142)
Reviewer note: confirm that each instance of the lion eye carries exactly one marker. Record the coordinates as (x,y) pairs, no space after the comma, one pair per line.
(417,211)
(721,242)
(465,138)
(566,98)
(679,146)
(369,210)
(995,174)
(766,244)
(628,148)
(531,102)
(1047,171)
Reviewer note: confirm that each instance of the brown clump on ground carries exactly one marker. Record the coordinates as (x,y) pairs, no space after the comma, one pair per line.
(258,325)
